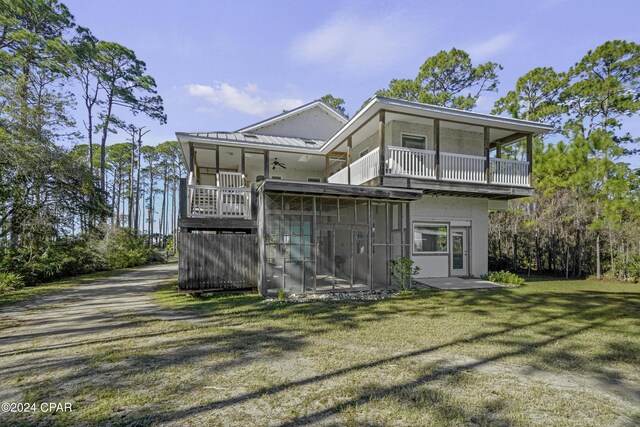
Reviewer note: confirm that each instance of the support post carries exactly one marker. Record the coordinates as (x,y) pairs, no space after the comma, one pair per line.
(242,161)
(436,144)
(192,155)
(217,165)
(381,144)
(266,164)
(349,160)
(530,156)
(487,153)
(327,167)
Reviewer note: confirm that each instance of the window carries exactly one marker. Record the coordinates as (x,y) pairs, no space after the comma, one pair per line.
(414,141)
(261,177)
(429,238)
(364,152)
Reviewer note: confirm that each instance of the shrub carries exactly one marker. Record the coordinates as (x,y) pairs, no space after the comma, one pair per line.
(10,281)
(504,278)
(121,249)
(633,269)
(404,270)
(282,295)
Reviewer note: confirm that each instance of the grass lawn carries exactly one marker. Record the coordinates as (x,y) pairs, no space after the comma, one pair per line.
(549,353)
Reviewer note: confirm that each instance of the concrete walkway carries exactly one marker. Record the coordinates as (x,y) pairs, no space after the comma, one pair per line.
(457,283)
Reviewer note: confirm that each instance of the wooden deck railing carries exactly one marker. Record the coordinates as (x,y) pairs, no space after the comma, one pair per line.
(411,162)
(362,170)
(414,163)
(205,201)
(509,172)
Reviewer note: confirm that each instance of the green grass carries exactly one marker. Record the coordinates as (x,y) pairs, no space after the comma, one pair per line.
(552,352)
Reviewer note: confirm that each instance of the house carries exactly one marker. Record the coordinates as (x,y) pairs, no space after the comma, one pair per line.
(310,201)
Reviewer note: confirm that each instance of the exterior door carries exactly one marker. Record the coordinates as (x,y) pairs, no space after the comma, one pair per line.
(459,252)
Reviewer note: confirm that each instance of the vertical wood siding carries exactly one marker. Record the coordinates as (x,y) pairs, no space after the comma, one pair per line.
(217,261)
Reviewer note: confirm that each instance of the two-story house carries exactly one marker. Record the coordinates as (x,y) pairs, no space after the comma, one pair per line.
(310,201)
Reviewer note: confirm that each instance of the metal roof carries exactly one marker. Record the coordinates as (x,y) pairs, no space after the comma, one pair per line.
(255,138)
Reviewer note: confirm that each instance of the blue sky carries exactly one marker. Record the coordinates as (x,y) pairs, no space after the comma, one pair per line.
(221,65)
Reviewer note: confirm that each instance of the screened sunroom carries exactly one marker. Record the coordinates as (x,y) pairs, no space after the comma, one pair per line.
(330,243)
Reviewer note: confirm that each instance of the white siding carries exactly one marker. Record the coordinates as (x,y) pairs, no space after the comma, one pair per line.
(314,123)
(451,209)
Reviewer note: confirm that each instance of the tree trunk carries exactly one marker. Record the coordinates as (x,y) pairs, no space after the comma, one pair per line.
(598,271)
(515,252)
(150,219)
(113,199)
(103,142)
(132,165)
(138,178)
(613,264)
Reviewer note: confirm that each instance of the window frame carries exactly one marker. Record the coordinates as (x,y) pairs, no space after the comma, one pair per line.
(430,224)
(413,135)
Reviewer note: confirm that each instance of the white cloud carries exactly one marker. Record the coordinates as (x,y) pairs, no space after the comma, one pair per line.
(247,100)
(486,48)
(358,42)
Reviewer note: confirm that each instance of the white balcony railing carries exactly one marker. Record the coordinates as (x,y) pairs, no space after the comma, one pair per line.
(411,162)
(218,202)
(362,170)
(416,163)
(462,167)
(509,172)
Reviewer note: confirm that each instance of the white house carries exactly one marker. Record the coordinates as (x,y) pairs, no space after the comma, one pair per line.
(328,201)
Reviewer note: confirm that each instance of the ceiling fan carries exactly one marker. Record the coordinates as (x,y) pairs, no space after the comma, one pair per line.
(277,163)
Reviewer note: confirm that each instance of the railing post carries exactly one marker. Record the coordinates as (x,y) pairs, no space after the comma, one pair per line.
(436,144)
(487,154)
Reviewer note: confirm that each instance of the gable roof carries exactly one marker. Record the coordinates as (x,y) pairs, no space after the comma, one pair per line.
(339,117)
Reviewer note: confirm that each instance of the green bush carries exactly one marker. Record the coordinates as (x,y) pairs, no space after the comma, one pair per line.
(633,269)
(74,255)
(404,270)
(10,281)
(121,249)
(504,278)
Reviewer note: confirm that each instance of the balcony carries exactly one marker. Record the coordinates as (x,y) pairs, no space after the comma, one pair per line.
(230,199)
(421,164)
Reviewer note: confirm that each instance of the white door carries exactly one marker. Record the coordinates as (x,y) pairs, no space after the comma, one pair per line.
(459,252)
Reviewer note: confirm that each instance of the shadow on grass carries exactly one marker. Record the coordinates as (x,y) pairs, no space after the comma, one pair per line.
(532,321)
